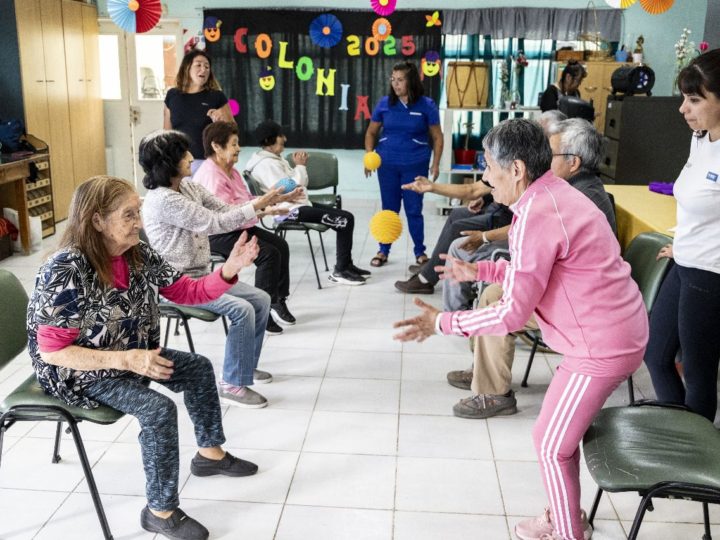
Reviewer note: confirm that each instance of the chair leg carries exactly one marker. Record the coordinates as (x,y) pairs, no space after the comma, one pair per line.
(312,255)
(595,505)
(536,340)
(167,332)
(56,449)
(225,326)
(645,504)
(706,518)
(177,327)
(322,245)
(187,333)
(90,479)
(631,390)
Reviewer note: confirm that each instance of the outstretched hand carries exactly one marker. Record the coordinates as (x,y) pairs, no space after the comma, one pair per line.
(273,196)
(243,254)
(296,195)
(418,328)
(420,185)
(457,270)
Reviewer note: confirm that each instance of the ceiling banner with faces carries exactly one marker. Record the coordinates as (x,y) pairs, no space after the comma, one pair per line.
(319,73)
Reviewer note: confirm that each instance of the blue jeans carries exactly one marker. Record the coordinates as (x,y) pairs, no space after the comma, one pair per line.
(248,309)
(391,177)
(157,413)
(684,317)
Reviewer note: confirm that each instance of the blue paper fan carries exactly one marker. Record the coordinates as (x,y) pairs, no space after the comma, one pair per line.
(121,14)
(135,15)
(326,30)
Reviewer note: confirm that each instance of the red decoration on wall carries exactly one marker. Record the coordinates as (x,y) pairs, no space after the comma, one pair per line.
(362,108)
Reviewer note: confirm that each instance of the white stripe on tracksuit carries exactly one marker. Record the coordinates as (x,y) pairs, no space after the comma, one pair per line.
(553,438)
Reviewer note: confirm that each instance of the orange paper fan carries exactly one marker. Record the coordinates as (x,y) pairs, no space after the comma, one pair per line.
(381,29)
(622,4)
(656,7)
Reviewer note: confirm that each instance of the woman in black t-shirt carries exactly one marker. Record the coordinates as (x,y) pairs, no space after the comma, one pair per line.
(195,102)
(568,85)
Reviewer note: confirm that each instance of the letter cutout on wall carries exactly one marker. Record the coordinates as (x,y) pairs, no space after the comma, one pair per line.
(240,35)
(263,45)
(327,81)
(344,96)
(353,48)
(408,46)
(304,69)
(282,61)
(362,107)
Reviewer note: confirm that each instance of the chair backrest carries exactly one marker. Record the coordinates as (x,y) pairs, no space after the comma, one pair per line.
(252,184)
(647,271)
(322,169)
(13,315)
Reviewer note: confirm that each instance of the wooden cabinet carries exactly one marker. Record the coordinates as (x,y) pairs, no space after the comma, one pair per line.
(57,44)
(596,87)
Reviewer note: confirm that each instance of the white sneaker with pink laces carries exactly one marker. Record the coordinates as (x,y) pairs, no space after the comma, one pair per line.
(541,527)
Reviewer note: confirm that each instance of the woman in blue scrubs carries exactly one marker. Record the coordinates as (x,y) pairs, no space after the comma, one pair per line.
(406,127)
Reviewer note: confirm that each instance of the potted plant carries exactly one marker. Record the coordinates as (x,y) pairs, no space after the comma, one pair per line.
(466,156)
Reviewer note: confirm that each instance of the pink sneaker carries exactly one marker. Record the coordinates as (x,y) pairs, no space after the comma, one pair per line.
(541,527)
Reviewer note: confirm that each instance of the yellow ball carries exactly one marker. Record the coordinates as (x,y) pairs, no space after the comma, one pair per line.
(372,161)
(385,226)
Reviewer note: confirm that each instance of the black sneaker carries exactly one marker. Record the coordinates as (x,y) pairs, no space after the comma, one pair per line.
(228,466)
(281,313)
(359,271)
(346,277)
(273,328)
(179,525)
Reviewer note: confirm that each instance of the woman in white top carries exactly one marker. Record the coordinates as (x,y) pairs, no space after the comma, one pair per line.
(685,315)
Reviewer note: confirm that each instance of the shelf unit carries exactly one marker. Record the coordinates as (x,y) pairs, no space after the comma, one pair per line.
(39,196)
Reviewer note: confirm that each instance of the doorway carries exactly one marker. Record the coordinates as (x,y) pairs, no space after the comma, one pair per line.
(136,71)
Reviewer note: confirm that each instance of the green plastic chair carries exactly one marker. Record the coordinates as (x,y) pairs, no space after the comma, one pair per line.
(282,227)
(657,450)
(323,173)
(29,403)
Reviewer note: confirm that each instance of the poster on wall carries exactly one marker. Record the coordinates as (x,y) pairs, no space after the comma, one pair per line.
(319,73)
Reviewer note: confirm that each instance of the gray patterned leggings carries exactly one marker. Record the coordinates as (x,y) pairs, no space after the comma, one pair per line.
(157,413)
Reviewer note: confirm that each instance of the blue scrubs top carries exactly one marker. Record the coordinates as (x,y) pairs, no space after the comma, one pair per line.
(405,136)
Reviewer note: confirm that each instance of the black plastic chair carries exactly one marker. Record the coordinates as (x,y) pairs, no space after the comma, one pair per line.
(29,403)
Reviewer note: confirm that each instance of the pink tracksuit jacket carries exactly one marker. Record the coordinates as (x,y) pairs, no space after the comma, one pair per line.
(566,267)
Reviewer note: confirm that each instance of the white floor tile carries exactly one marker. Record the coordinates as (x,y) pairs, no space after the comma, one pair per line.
(342,480)
(359,395)
(419,366)
(367,339)
(443,437)
(295,362)
(352,433)
(431,526)
(266,429)
(428,397)
(304,522)
(24,512)
(297,393)
(364,365)
(448,485)
(227,520)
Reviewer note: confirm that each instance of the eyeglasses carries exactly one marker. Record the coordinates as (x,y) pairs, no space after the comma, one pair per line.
(573,155)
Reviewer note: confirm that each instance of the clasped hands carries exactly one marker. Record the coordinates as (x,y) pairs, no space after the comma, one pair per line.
(421,327)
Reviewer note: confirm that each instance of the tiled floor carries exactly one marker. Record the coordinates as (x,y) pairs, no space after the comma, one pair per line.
(358,442)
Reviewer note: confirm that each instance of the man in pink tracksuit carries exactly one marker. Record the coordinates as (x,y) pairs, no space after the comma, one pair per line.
(566,268)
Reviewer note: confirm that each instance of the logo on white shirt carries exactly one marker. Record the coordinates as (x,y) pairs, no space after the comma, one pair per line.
(712,176)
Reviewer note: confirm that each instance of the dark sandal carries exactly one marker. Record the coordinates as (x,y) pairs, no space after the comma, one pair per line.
(378,260)
(422,259)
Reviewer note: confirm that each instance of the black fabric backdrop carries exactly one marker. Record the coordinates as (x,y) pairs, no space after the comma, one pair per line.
(311,120)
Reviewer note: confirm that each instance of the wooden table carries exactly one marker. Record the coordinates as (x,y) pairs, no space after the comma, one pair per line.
(638,210)
(12,184)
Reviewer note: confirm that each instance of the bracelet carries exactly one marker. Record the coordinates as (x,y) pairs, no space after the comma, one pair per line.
(484,238)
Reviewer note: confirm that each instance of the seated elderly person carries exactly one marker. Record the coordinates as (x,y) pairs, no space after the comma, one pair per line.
(577,150)
(179,215)
(219,176)
(566,268)
(94,335)
(268,167)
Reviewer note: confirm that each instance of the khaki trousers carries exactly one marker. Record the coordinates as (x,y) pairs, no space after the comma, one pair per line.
(494,355)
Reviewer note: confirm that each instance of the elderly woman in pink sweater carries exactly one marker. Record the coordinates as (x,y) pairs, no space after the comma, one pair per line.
(566,268)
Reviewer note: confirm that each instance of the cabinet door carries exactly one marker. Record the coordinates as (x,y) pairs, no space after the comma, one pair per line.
(591,88)
(58,112)
(80,130)
(96,124)
(32,68)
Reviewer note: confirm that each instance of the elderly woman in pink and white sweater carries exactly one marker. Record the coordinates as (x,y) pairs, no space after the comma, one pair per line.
(566,267)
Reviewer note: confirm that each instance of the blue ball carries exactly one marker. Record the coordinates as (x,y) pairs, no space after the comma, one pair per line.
(286,184)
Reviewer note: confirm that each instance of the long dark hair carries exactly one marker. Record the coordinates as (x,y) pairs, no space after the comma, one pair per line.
(182,80)
(414,85)
(700,76)
(573,68)
(160,154)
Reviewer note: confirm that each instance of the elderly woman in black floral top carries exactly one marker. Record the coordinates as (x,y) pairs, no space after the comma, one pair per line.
(94,338)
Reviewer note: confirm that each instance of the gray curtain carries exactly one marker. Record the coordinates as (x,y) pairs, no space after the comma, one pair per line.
(533,23)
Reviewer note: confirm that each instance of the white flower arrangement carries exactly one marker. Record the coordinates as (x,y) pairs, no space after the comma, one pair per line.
(684,50)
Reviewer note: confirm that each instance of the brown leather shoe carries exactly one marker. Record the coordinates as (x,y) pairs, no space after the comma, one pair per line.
(414,286)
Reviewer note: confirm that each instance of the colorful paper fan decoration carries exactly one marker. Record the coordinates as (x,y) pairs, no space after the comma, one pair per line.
(655,7)
(135,15)
(433,20)
(383,7)
(381,29)
(326,30)
(621,4)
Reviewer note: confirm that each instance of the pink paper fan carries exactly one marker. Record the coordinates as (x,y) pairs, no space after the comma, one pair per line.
(383,7)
